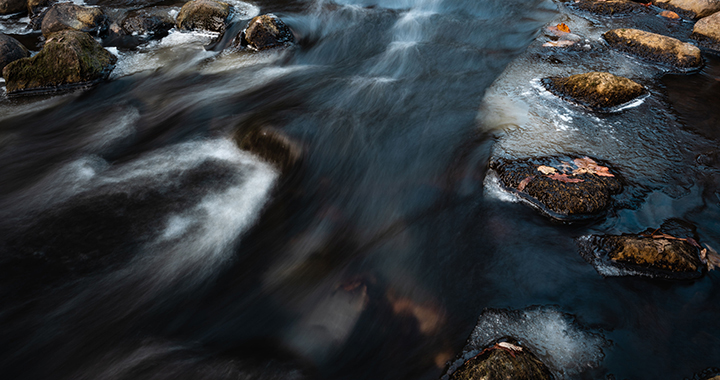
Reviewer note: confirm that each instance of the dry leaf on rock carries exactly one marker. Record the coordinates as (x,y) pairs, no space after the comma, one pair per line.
(509,346)
(588,165)
(565,178)
(524,183)
(546,169)
(563,28)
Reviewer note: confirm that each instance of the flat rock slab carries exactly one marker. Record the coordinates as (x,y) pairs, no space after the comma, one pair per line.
(11,50)
(265,32)
(690,8)
(655,47)
(564,188)
(207,15)
(670,252)
(65,16)
(501,361)
(707,31)
(68,59)
(610,7)
(596,90)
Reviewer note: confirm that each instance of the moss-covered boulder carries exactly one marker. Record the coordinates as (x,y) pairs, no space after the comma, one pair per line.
(68,59)
(609,7)
(502,361)
(65,16)
(272,145)
(265,32)
(10,50)
(209,15)
(655,47)
(12,6)
(562,187)
(671,252)
(690,8)
(597,90)
(707,31)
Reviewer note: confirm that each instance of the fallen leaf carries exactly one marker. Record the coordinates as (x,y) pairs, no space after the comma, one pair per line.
(646,4)
(561,43)
(588,165)
(669,14)
(563,28)
(524,183)
(509,346)
(546,169)
(565,178)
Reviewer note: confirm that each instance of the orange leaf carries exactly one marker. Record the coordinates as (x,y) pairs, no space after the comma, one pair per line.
(670,15)
(588,165)
(565,178)
(563,28)
(524,183)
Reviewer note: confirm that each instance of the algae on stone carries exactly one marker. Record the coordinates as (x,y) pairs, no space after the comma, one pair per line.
(597,90)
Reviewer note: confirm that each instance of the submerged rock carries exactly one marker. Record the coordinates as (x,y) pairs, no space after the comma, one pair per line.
(65,16)
(271,145)
(610,7)
(597,90)
(10,50)
(69,58)
(690,8)
(564,188)
(503,360)
(207,15)
(655,47)
(266,31)
(12,6)
(670,251)
(707,31)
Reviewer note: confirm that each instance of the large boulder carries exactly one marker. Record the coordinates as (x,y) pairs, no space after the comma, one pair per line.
(609,7)
(671,252)
(65,16)
(12,6)
(69,58)
(655,47)
(597,90)
(265,32)
(501,361)
(209,15)
(690,8)
(707,31)
(562,187)
(10,50)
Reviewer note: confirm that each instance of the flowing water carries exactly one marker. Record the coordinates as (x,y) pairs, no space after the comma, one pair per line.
(139,242)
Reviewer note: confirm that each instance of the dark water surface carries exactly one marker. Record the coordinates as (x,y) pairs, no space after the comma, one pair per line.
(138,241)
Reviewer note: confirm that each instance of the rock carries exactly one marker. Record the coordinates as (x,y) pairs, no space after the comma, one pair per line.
(503,360)
(690,8)
(266,31)
(272,145)
(12,6)
(11,50)
(609,8)
(562,187)
(599,91)
(207,15)
(707,31)
(670,251)
(68,59)
(156,22)
(655,47)
(34,6)
(70,16)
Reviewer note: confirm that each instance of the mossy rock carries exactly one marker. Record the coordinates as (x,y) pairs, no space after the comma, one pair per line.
(597,90)
(12,6)
(272,145)
(156,22)
(670,252)
(655,47)
(69,58)
(265,32)
(562,187)
(707,31)
(610,7)
(690,8)
(502,361)
(209,15)
(11,50)
(66,16)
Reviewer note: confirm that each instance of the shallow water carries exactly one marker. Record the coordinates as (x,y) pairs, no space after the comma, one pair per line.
(138,242)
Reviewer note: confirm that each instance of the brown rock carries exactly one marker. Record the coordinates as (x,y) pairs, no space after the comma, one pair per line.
(207,15)
(11,50)
(655,47)
(691,8)
(610,7)
(266,31)
(707,31)
(271,145)
(502,361)
(12,6)
(65,16)
(34,6)
(597,90)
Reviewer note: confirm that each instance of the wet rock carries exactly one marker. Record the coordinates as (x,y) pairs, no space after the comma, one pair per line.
(609,8)
(690,8)
(68,59)
(272,145)
(655,47)
(11,50)
(597,90)
(207,15)
(70,16)
(156,22)
(34,6)
(12,6)
(265,32)
(707,31)
(562,187)
(503,360)
(670,251)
